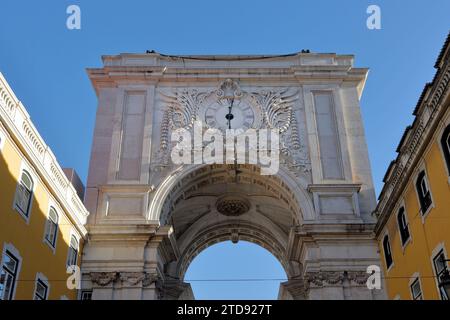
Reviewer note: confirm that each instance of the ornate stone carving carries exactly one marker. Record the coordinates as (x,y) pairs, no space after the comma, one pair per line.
(331,278)
(323,278)
(104,278)
(274,110)
(296,288)
(229,89)
(149,279)
(357,277)
(132,278)
(172,289)
(232,206)
(277,106)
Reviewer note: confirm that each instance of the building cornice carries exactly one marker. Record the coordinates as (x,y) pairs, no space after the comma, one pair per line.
(308,68)
(17,122)
(428,113)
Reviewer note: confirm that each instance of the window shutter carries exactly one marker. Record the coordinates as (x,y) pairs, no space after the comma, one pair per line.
(23,199)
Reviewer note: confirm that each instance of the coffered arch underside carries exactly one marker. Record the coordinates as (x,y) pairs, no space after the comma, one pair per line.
(186,180)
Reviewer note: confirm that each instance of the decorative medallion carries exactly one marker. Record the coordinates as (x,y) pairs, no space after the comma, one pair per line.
(232,206)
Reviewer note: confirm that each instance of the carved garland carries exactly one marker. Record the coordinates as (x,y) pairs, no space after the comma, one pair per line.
(131,278)
(331,278)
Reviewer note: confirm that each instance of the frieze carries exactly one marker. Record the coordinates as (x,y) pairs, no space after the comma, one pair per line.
(104,278)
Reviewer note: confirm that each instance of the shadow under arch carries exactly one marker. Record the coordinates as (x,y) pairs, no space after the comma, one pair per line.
(295,185)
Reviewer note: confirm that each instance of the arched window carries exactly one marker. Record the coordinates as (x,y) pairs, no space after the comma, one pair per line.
(387,251)
(24,194)
(403,225)
(423,192)
(445,143)
(51,228)
(73,252)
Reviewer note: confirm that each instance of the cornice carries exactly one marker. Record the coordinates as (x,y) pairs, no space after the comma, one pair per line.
(155,68)
(429,111)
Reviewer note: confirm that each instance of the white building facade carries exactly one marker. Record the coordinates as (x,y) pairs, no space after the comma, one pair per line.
(150,217)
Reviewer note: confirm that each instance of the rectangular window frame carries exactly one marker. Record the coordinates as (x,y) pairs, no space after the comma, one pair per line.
(2,139)
(20,189)
(421,167)
(70,249)
(406,220)
(52,204)
(13,253)
(25,167)
(42,281)
(415,282)
(388,267)
(441,254)
(438,140)
(86,295)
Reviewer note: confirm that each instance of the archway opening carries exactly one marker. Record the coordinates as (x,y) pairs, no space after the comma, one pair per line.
(240,271)
(221,203)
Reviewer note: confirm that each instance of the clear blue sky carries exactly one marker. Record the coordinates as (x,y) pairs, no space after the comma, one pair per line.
(45,64)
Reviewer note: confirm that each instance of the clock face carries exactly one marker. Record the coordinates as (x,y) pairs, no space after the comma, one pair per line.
(219,116)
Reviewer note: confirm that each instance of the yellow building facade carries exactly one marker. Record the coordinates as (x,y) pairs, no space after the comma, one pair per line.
(41,215)
(413,212)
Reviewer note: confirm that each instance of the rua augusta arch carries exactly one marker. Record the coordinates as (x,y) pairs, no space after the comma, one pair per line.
(149,217)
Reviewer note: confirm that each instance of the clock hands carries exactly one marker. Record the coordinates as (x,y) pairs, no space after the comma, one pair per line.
(230,117)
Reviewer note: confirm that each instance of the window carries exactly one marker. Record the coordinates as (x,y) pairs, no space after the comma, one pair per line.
(51,228)
(73,252)
(86,295)
(439,266)
(41,290)
(416,291)
(387,251)
(8,275)
(403,225)
(445,143)
(2,140)
(24,194)
(424,192)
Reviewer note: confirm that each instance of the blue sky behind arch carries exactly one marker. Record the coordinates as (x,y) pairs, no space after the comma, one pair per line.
(45,63)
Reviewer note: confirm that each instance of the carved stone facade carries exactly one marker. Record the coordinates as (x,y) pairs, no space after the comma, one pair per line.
(150,218)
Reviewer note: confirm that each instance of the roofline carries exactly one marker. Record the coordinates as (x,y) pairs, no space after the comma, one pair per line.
(227,57)
(430,87)
(17,122)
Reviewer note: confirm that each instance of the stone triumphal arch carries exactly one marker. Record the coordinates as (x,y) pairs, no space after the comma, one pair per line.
(150,217)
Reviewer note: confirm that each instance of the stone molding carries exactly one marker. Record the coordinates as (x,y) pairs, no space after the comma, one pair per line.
(131,278)
(104,278)
(334,278)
